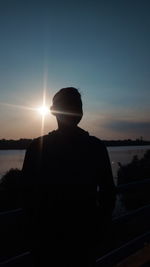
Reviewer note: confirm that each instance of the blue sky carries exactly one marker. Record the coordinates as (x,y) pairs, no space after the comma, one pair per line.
(100,47)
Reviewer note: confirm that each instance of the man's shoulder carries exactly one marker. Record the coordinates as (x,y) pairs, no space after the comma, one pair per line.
(98,146)
(95,140)
(43,139)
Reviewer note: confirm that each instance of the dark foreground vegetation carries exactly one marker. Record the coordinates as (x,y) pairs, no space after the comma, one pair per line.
(137,175)
(10,190)
(136,170)
(24,143)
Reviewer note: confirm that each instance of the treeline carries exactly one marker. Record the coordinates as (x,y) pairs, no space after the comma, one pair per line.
(24,143)
(128,142)
(15,144)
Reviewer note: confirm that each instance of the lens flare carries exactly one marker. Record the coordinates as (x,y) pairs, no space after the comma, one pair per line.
(43,110)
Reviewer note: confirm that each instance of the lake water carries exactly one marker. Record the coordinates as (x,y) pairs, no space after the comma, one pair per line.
(14,158)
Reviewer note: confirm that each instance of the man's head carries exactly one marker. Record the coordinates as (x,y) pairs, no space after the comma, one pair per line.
(67,106)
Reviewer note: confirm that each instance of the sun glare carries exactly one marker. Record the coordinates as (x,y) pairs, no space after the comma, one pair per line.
(43,110)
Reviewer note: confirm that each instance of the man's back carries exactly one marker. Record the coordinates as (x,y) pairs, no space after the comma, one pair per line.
(66,168)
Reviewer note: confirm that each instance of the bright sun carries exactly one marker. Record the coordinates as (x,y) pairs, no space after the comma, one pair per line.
(43,110)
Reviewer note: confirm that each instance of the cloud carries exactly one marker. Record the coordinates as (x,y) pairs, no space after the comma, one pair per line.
(128,126)
(118,125)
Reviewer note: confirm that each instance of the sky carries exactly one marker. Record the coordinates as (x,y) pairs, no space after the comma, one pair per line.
(100,47)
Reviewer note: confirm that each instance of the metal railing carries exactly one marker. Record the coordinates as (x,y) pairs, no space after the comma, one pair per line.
(25,256)
(123,251)
(113,256)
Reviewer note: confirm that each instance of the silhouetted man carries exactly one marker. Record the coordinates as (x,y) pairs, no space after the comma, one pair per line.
(63,171)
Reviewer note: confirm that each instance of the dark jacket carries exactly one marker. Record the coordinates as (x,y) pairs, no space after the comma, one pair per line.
(62,174)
